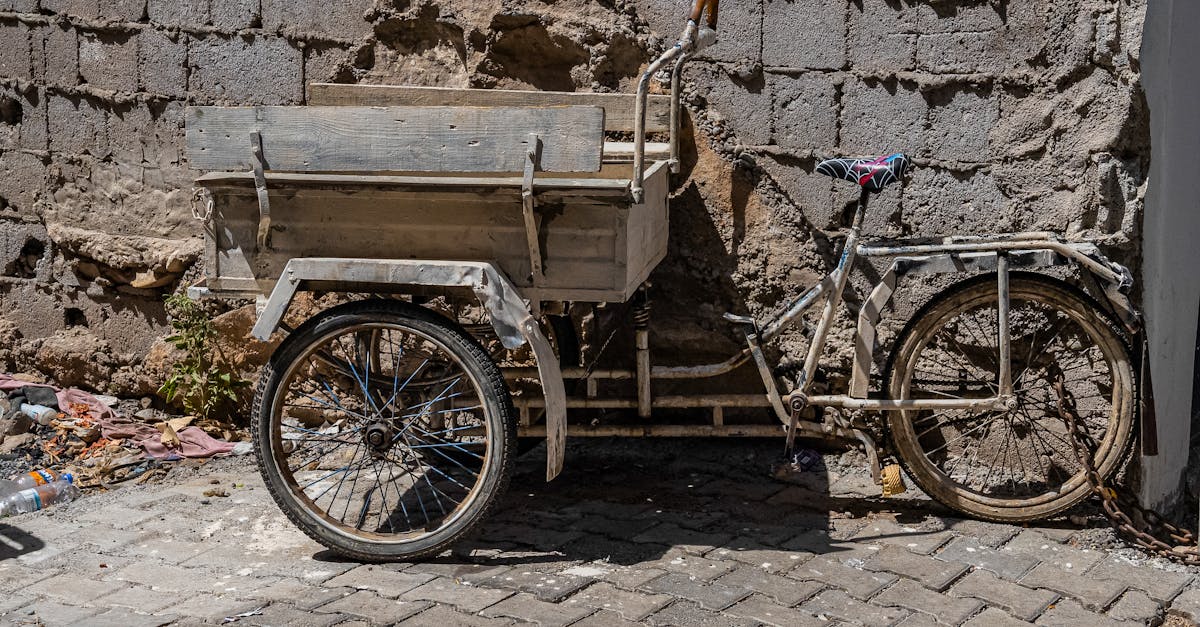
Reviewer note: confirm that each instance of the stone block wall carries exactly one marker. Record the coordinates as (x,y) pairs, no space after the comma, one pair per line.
(1020,114)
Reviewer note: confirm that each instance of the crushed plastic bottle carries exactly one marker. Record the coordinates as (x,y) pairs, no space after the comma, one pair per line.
(28,480)
(39,413)
(40,497)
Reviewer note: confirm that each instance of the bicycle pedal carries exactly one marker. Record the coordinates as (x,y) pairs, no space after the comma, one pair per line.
(892,480)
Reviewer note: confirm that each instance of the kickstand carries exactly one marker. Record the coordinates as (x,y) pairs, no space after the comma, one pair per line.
(789,446)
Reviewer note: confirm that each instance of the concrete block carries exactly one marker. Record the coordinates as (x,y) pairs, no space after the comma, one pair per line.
(940,202)
(86,9)
(804,112)
(883,36)
(324,63)
(19,6)
(245,70)
(233,15)
(56,55)
(745,106)
(123,10)
(180,13)
(961,53)
(162,63)
(339,19)
(127,127)
(77,126)
(881,117)
(109,60)
(22,178)
(806,34)
(740,32)
(22,119)
(960,121)
(15,54)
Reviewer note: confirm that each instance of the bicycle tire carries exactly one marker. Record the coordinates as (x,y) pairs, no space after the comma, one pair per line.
(978,292)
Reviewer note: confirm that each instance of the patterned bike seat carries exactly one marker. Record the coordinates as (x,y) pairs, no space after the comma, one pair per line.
(872,173)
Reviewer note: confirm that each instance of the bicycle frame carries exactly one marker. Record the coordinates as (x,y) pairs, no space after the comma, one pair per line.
(997,252)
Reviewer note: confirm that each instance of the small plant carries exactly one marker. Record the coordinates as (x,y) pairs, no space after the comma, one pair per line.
(199,381)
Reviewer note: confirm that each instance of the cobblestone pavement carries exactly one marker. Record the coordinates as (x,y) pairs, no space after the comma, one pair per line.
(663,533)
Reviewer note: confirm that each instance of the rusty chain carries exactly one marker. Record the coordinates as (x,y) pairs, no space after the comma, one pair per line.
(1143,527)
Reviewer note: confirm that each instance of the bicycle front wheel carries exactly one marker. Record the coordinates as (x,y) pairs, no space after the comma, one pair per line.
(1015,465)
(383,430)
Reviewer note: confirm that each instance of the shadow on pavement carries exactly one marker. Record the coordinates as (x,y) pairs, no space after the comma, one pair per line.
(15,542)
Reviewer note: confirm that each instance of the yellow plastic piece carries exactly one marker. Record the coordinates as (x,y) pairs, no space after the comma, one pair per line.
(893,481)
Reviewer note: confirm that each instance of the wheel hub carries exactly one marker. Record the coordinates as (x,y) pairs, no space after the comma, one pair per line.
(379,436)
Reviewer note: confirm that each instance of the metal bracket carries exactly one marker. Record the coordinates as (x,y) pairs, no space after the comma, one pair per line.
(260,185)
(532,160)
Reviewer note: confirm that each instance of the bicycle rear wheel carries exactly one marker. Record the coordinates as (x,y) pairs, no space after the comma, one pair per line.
(383,430)
(1015,465)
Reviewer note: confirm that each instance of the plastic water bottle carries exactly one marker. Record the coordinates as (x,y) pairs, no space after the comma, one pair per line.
(28,480)
(40,497)
(39,413)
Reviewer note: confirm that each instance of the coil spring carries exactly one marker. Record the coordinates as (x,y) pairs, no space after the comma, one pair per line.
(641,313)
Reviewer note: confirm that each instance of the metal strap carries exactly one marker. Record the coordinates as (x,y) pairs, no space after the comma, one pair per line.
(260,184)
(532,158)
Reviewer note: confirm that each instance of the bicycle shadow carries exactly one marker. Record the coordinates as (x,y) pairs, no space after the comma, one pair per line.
(15,542)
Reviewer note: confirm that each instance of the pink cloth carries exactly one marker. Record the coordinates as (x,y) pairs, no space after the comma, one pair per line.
(194,442)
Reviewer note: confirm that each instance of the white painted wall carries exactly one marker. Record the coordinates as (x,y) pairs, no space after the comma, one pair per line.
(1171,263)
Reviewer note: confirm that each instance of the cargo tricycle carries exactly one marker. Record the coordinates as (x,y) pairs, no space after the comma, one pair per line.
(460,225)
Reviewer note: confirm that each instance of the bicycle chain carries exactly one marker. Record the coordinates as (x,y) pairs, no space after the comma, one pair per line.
(1143,527)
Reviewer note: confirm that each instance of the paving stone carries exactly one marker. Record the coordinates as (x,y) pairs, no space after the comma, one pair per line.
(180,579)
(986,533)
(1004,561)
(469,573)
(1050,551)
(1159,584)
(820,542)
(688,540)
(277,614)
(373,607)
(73,588)
(629,605)
(629,578)
(605,618)
(1136,605)
(12,601)
(931,572)
(992,617)
(386,582)
(529,608)
(782,590)
(690,614)
(945,608)
(1024,603)
(52,613)
(713,596)
(1187,605)
(1068,613)
(861,584)
(212,608)
(165,549)
(1093,593)
(765,611)
(838,604)
(768,558)
(705,569)
(552,588)
(917,619)
(13,576)
(445,616)
(465,597)
(620,529)
(890,532)
(140,598)
(301,595)
(122,617)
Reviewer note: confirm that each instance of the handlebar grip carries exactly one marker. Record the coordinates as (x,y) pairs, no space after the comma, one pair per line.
(698,12)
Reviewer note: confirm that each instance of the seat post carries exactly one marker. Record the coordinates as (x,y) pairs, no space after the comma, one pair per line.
(861,211)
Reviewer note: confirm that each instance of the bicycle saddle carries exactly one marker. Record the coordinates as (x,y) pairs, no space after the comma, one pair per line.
(872,173)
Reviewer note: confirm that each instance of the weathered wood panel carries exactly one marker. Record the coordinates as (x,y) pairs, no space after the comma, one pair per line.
(415,139)
(597,247)
(618,108)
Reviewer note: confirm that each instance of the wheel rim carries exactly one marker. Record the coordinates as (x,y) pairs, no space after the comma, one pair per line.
(1023,457)
(381,433)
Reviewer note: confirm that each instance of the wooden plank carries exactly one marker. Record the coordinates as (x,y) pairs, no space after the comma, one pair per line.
(416,139)
(618,108)
(541,184)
